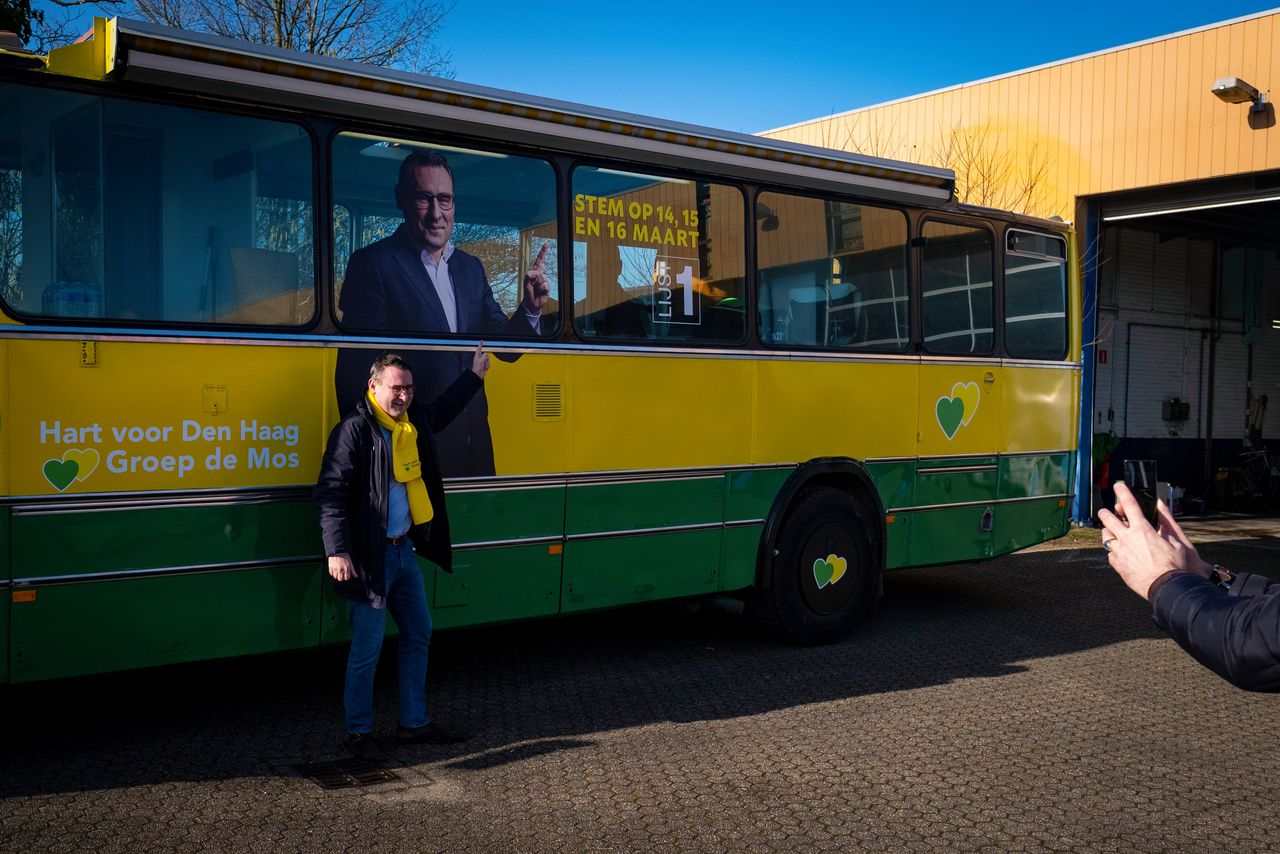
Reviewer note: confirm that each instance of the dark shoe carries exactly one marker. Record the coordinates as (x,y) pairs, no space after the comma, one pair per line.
(364,746)
(432,733)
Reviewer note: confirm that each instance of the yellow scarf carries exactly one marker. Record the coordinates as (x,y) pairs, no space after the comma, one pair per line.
(404,460)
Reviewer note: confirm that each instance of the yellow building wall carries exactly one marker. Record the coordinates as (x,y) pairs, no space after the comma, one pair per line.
(1033,141)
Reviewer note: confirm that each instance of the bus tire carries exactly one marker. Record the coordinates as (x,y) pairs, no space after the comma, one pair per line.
(810,598)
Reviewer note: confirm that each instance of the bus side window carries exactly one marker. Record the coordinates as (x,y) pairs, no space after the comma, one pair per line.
(657,258)
(497,222)
(1035,295)
(831,274)
(956,286)
(148,212)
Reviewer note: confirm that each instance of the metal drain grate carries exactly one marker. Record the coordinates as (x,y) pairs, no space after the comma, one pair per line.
(345,773)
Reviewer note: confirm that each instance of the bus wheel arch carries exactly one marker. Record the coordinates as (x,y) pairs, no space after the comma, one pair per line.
(822,553)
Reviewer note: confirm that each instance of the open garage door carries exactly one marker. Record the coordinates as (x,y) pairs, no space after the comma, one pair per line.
(1188,334)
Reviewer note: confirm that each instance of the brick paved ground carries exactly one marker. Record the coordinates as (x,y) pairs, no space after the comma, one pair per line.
(1024,704)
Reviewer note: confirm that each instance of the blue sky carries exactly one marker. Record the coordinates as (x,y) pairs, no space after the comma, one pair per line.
(751,66)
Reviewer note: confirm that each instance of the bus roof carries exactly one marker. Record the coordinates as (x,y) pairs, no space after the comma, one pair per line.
(229,68)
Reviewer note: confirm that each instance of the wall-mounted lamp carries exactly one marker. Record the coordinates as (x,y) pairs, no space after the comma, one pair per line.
(1233,90)
(767,217)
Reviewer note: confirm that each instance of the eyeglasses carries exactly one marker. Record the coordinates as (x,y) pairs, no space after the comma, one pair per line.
(423,199)
(397,390)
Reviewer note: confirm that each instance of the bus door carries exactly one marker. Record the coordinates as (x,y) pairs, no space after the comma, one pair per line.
(6,570)
(959,414)
(1040,392)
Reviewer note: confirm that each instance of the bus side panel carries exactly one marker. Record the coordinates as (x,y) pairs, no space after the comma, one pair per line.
(92,627)
(1040,420)
(835,409)
(895,481)
(749,495)
(139,587)
(604,565)
(1023,523)
(648,412)
(496,585)
(508,582)
(1039,407)
(148,417)
(7,603)
(959,436)
(528,403)
(1030,522)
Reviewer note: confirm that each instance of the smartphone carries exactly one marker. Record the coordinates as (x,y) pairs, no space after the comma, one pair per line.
(1140,476)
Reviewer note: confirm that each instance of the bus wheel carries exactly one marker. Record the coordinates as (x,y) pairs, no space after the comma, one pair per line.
(826,570)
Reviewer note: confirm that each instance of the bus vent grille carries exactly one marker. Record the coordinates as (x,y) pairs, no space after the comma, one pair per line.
(548,401)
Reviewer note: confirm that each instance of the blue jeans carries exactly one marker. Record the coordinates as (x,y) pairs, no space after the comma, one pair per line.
(406,599)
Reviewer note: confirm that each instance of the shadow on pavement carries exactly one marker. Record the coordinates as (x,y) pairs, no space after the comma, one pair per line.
(533,688)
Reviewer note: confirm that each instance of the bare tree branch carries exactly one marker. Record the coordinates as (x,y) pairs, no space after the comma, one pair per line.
(395,33)
(64,21)
(986,172)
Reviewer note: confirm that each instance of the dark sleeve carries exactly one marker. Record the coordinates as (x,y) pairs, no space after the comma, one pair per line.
(495,321)
(333,487)
(364,299)
(437,414)
(1235,634)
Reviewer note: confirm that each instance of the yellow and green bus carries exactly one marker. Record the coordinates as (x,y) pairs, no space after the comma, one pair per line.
(768,371)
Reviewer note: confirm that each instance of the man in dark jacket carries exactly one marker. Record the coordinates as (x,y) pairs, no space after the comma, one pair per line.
(381,502)
(1228,622)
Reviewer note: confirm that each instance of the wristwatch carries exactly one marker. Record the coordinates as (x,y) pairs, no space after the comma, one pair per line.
(1220,576)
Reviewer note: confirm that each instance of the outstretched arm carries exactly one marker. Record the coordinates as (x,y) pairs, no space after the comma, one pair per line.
(439,413)
(1235,634)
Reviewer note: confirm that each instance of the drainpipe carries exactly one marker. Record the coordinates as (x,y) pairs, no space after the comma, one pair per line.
(1215,295)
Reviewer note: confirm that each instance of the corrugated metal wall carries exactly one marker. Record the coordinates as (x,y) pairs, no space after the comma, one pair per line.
(1136,116)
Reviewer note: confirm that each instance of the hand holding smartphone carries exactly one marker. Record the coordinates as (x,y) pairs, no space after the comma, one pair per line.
(1140,476)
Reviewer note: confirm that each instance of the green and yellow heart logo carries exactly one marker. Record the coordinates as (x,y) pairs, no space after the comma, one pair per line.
(957,410)
(75,465)
(829,571)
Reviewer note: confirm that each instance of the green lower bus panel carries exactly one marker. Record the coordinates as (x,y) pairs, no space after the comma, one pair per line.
(74,543)
(625,570)
(4,635)
(898,541)
(1025,523)
(949,535)
(495,585)
(96,626)
(741,550)
(7,603)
